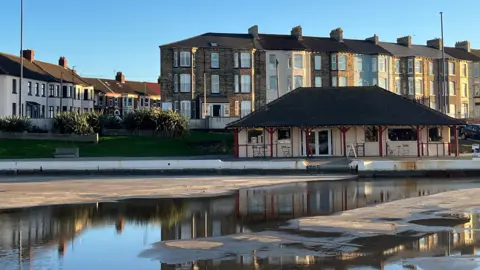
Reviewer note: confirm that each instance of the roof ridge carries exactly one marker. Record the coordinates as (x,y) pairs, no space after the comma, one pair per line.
(105,85)
(183,40)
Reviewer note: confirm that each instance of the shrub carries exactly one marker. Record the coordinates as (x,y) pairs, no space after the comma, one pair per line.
(15,124)
(110,122)
(73,123)
(156,120)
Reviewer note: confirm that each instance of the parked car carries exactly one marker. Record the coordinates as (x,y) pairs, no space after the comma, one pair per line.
(470,132)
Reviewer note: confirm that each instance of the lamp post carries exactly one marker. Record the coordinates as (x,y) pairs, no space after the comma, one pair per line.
(20,111)
(444,78)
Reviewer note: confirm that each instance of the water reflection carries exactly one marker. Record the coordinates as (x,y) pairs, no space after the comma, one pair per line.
(112,234)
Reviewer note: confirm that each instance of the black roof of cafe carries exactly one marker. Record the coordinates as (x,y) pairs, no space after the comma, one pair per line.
(343,106)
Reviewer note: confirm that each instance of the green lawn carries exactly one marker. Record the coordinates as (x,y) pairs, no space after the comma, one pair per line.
(123,146)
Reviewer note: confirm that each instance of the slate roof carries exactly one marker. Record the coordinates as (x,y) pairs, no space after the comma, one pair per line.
(129,87)
(10,65)
(475,52)
(142,87)
(60,73)
(462,54)
(280,42)
(364,47)
(343,106)
(98,85)
(323,44)
(414,50)
(224,40)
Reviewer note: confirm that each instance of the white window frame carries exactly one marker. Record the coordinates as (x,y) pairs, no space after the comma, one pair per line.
(318,62)
(451,68)
(272,83)
(236,83)
(464,70)
(245,60)
(185,83)
(185,108)
(298,79)
(245,108)
(226,109)
(342,62)
(381,64)
(236,108)
(398,86)
(418,67)
(214,60)
(334,81)
(175,59)
(334,62)
(272,61)
(410,68)
(359,63)
(374,82)
(245,84)
(235,60)
(452,107)
(432,88)
(359,82)
(451,88)
(185,59)
(342,81)
(411,91)
(374,64)
(397,65)
(215,84)
(298,60)
(476,69)
(430,68)
(318,81)
(289,83)
(418,86)
(464,90)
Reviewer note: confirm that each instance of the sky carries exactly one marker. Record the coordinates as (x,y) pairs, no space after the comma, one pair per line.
(101,37)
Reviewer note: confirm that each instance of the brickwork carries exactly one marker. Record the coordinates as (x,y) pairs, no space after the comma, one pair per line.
(324,72)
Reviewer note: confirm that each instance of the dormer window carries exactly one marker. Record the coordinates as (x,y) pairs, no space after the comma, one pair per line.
(213,44)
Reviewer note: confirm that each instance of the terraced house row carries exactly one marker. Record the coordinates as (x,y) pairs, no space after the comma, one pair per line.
(49,88)
(235,73)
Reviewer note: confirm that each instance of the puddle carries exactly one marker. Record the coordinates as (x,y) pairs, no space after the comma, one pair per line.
(111,235)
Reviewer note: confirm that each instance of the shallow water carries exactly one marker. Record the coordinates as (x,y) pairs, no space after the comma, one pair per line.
(111,235)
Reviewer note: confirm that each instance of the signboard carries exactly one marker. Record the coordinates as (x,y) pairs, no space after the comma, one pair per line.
(476,151)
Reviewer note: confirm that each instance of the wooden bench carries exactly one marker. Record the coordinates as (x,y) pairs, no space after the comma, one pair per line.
(64,152)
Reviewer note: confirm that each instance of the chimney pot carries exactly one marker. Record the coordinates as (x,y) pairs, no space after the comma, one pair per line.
(253,31)
(62,62)
(120,77)
(297,32)
(405,41)
(463,45)
(337,34)
(373,39)
(29,55)
(435,43)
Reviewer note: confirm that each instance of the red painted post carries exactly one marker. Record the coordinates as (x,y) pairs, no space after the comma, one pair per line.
(380,140)
(235,144)
(344,131)
(418,141)
(456,142)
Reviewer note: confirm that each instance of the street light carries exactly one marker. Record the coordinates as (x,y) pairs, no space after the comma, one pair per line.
(444,83)
(20,111)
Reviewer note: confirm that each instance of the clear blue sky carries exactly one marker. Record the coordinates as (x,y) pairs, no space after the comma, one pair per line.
(103,36)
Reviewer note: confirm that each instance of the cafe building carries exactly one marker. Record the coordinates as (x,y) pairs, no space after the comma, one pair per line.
(364,121)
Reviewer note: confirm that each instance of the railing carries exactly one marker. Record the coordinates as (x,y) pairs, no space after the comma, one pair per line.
(260,150)
(211,122)
(435,149)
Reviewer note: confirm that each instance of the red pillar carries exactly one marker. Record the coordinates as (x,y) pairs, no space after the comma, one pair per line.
(418,141)
(344,130)
(380,140)
(235,143)
(456,141)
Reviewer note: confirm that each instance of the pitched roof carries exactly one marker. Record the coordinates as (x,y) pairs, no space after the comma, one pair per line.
(10,65)
(364,47)
(367,105)
(98,85)
(475,52)
(224,40)
(60,73)
(280,42)
(322,44)
(142,87)
(413,50)
(462,54)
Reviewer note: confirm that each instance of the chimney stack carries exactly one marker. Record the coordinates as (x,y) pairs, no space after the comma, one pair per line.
(29,55)
(253,31)
(405,41)
(297,32)
(120,77)
(373,39)
(463,45)
(435,43)
(62,62)
(337,34)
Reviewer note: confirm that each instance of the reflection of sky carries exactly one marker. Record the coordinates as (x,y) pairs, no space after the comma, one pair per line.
(102,248)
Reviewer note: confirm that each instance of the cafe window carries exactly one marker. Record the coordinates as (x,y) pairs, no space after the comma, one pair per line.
(283,134)
(402,134)
(371,134)
(435,134)
(255,136)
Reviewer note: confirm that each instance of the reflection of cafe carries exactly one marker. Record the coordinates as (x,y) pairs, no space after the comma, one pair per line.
(362,121)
